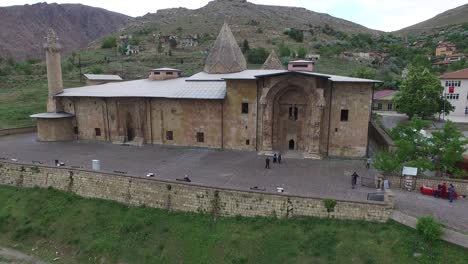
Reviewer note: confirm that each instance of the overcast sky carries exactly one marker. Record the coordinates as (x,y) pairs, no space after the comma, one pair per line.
(386,15)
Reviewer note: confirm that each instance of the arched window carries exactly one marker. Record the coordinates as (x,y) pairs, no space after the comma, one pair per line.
(296,113)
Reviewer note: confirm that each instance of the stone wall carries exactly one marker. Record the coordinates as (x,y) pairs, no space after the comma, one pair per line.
(349,138)
(380,136)
(461,186)
(185,197)
(19,130)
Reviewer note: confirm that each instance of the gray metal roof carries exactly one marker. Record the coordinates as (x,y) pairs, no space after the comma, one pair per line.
(173,88)
(254,74)
(52,115)
(102,77)
(166,69)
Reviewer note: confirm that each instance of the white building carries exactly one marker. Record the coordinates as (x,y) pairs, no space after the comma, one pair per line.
(456,91)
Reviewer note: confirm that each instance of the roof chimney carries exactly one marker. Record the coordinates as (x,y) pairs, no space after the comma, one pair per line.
(164,74)
(301,65)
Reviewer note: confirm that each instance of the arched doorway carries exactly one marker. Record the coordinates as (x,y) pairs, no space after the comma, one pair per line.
(291,114)
(291,144)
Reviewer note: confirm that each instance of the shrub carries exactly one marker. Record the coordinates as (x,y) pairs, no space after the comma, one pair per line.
(301,52)
(257,55)
(109,42)
(284,50)
(296,34)
(330,205)
(96,70)
(429,228)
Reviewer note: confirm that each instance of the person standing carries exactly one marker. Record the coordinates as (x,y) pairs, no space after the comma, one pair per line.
(267,163)
(368,163)
(451,192)
(354,177)
(275,158)
(279,158)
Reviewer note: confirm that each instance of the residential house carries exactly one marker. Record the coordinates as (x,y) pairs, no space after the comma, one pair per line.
(383,100)
(445,49)
(456,91)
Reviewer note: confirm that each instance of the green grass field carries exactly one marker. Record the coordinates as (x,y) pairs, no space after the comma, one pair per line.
(97,231)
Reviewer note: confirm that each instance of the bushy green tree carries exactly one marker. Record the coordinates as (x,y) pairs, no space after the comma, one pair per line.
(257,55)
(301,52)
(96,70)
(421,94)
(296,34)
(284,50)
(439,152)
(245,46)
(109,42)
(365,72)
(447,145)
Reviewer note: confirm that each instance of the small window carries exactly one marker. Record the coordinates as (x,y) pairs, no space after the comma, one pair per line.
(296,113)
(200,137)
(290,112)
(390,106)
(169,135)
(299,66)
(344,115)
(466,110)
(245,108)
(293,113)
(168,73)
(247,142)
(98,132)
(156,73)
(75,130)
(379,106)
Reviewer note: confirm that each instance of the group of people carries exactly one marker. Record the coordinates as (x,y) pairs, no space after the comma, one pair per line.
(276,158)
(443,191)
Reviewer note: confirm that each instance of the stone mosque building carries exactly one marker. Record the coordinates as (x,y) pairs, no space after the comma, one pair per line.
(226,106)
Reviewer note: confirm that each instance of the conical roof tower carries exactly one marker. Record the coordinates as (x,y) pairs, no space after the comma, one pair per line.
(225,56)
(273,62)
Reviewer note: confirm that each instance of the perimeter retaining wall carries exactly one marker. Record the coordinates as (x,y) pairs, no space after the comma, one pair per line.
(461,186)
(186,197)
(19,130)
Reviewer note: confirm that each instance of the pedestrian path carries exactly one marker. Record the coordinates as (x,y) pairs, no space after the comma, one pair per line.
(449,235)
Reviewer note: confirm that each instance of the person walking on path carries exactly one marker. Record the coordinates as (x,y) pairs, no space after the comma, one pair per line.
(451,192)
(279,158)
(368,163)
(267,163)
(275,158)
(354,177)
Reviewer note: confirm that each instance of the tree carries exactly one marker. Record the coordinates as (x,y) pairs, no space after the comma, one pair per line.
(364,72)
(411,148)
(245,46)
(160,47)
(440,152)
(109,42)
(96,70)
(421,94)
(295,34)
(447,145)
(301,52)
(284,50)
(257,55)
(172,43)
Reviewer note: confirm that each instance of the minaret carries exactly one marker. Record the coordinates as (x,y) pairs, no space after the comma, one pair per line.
(54,70)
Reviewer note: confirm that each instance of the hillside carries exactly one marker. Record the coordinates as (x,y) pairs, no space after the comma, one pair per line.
(24,27)
(245,18)
(450,17)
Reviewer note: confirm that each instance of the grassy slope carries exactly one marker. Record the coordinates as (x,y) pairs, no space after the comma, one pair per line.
(81,230)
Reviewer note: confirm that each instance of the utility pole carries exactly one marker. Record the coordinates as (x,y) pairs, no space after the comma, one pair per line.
(79,64)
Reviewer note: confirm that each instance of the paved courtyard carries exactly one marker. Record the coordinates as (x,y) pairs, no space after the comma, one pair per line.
(329,178)
(230,169)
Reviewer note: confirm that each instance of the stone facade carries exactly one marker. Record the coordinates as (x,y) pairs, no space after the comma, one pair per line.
(290,112)
(185,197)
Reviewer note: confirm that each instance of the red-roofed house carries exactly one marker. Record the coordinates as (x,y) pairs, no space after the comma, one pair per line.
(456,91)
(383,100)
